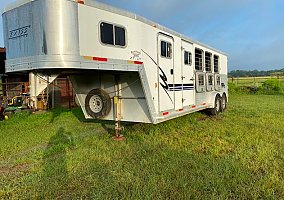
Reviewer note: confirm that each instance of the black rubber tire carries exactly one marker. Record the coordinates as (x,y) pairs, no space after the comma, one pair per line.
(224,103)
(217,106)
(101,103)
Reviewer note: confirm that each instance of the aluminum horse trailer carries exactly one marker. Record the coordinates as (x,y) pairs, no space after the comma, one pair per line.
(123,67)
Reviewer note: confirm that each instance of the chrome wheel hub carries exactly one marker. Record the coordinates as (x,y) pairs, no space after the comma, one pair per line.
(96,103)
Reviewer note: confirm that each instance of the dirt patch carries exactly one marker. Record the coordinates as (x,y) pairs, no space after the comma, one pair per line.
(203,118)
(20,168)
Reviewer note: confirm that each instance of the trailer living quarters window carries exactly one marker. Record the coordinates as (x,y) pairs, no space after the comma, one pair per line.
(112,34)
(187,58)
(198,59)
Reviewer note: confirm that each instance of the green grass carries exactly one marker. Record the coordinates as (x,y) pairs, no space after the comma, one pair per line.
(237,155)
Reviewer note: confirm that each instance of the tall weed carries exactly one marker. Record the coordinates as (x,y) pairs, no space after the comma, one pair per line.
(271,87)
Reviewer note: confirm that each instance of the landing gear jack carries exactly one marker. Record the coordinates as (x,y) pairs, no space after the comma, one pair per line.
(118,127)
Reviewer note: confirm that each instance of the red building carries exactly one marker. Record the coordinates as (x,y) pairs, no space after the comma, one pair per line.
(2,68)
(2,60)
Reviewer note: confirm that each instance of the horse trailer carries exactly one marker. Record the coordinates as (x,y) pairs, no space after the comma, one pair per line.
(123,67)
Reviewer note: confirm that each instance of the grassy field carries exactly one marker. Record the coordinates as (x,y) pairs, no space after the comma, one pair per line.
(252,81)
(237,155)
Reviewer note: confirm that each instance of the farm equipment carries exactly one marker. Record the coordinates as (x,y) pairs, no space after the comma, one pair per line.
(15,105)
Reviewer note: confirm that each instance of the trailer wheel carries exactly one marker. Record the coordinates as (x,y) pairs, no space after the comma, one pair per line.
(224,103)
(217,106)
(97,103)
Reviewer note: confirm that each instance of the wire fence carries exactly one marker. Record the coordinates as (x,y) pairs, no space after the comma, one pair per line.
(252,81)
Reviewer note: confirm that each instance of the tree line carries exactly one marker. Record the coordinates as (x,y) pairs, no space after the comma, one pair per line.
(256,73)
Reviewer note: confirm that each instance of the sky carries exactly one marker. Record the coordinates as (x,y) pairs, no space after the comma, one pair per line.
(250,32)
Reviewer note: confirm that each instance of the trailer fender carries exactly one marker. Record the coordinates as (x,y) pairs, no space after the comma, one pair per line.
(98,103)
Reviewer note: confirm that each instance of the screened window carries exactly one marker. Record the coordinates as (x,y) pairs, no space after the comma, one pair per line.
(201,81)
(218,81)
(210,80)
(187,58)
(112,35)
(208,61)
(216,63)
(198,59)
(166,49)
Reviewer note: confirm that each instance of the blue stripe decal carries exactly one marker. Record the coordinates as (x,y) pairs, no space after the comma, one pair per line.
(180,87)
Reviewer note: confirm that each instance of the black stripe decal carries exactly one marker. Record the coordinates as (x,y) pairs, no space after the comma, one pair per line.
(181,85)
(181,89)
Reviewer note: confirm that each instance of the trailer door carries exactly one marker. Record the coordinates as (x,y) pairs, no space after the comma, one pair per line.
(166,72)
(187,74)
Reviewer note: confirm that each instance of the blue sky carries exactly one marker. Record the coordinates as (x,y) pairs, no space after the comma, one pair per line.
(251,32)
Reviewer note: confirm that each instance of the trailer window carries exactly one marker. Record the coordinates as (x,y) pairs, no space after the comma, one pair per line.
(166,49)
(210,80)
(216,63)
(198,59)
(201,81)
(208,61)
(112,35)
(119,36)
(187,58)
(218,81)
(107,33)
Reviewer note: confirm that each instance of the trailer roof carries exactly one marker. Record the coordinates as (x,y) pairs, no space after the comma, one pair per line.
(102,6)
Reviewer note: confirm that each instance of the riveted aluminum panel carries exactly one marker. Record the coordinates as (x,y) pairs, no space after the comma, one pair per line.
(45,27)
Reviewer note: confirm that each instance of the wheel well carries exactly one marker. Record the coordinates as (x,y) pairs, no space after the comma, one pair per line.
(213,98)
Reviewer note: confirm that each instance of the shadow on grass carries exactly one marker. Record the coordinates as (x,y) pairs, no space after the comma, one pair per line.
(55,173)
(157,171)
(107,125)
(156,167)
(57,112)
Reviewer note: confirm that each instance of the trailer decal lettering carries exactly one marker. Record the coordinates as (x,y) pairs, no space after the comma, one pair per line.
(19,32)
